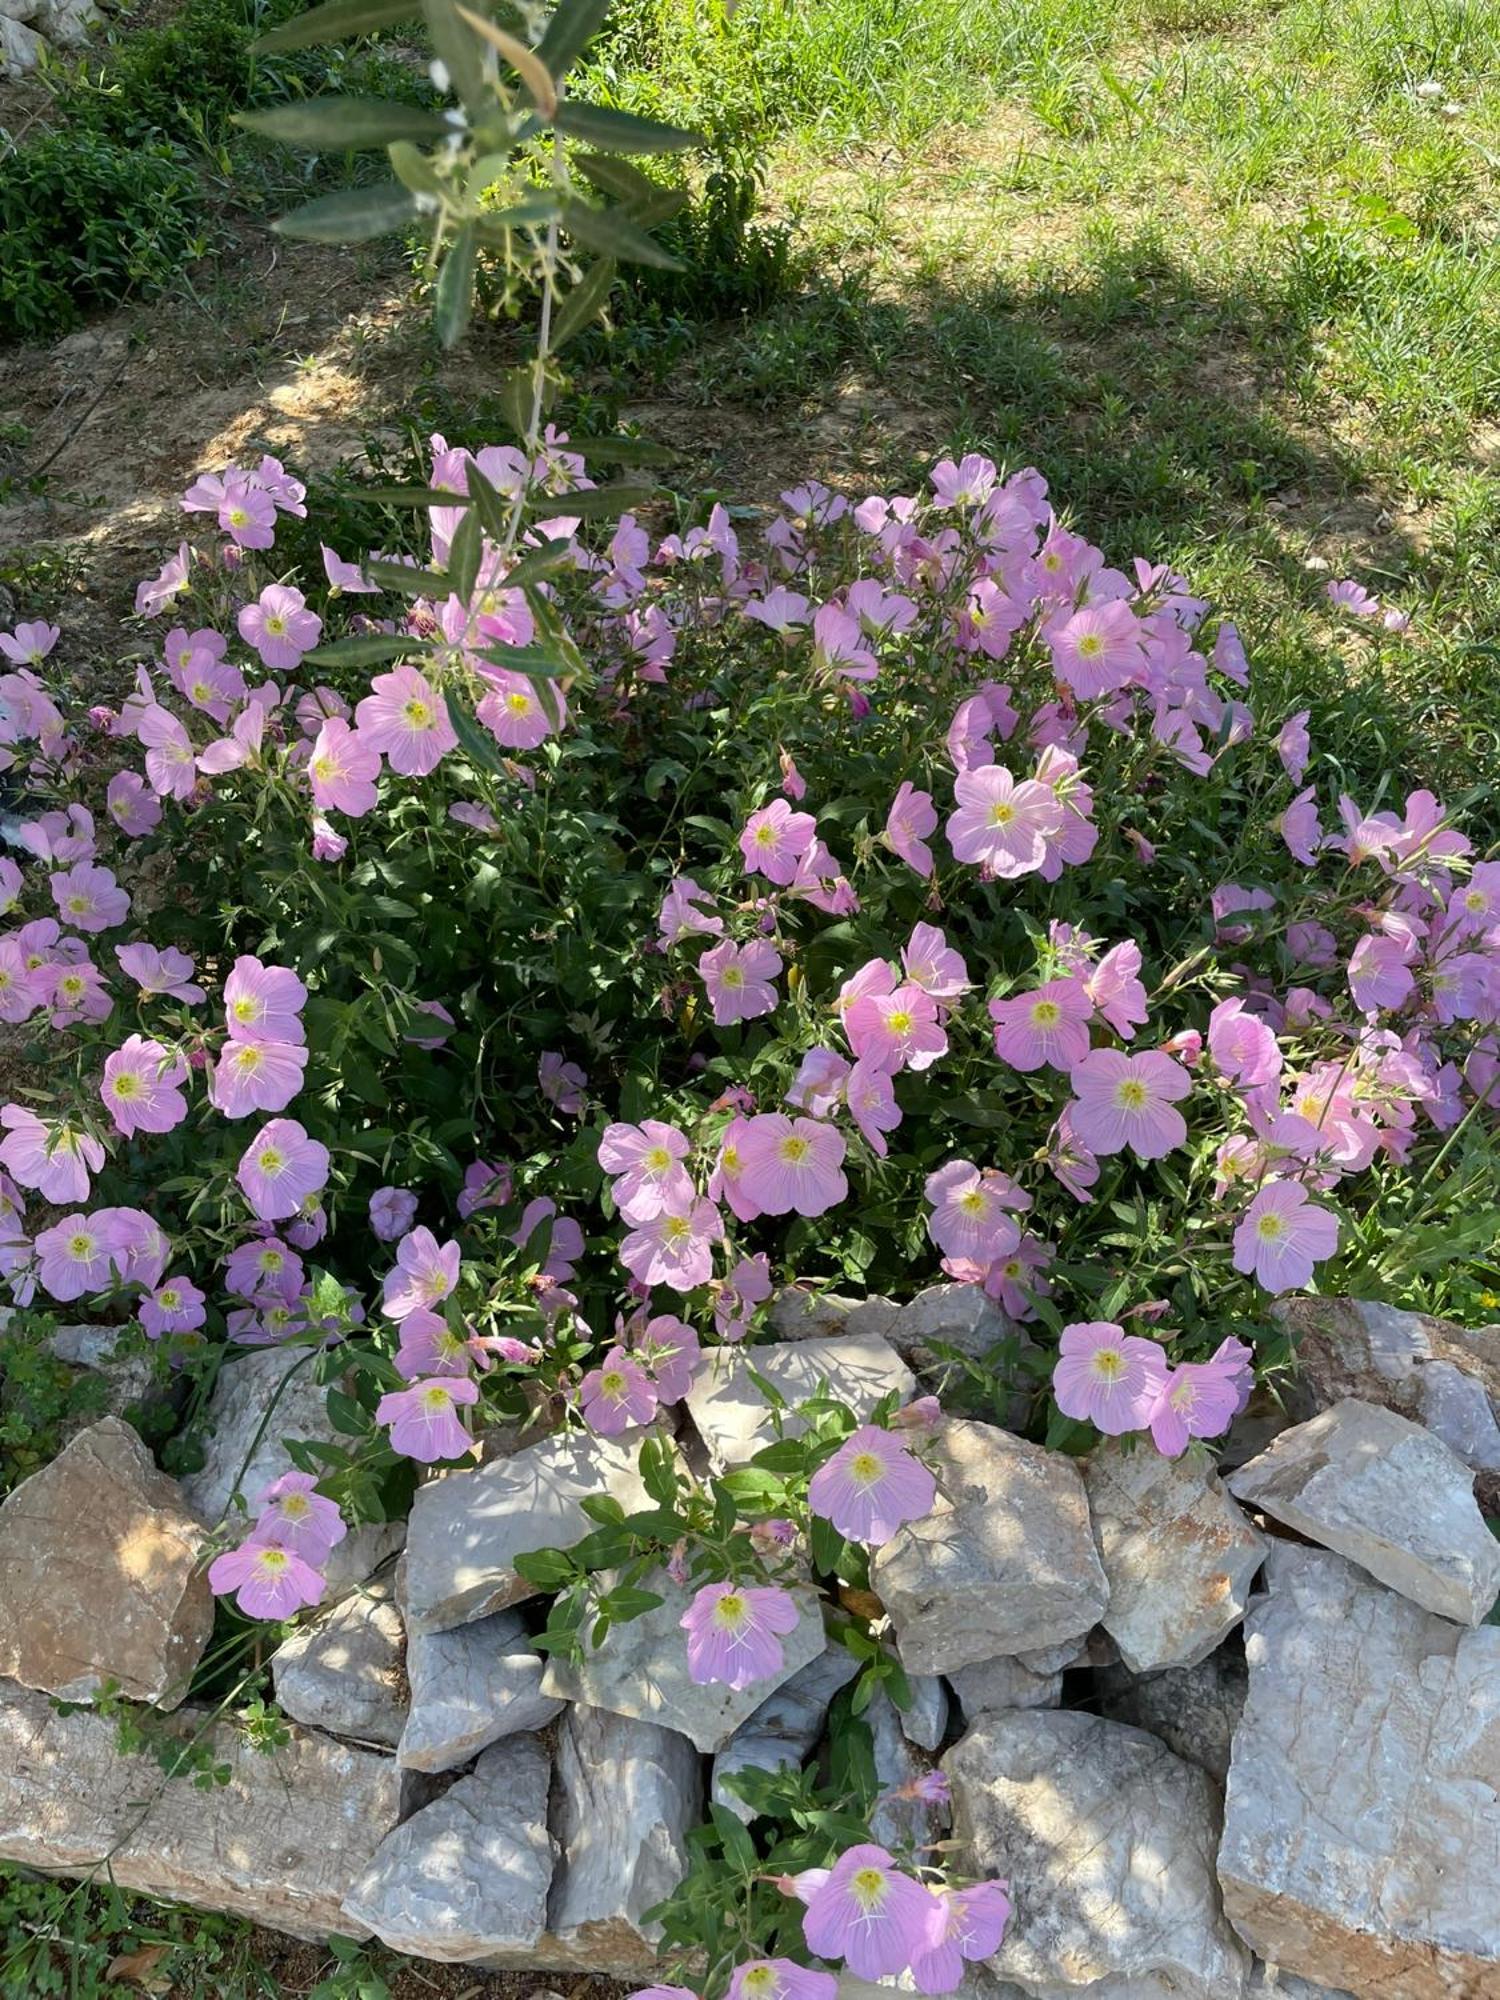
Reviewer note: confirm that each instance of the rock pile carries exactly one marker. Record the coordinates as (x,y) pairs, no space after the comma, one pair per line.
(29,27)
(1199,1787)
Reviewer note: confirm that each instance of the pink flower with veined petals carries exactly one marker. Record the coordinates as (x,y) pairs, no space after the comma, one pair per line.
(1301,828)
(1107,1377)
(134,810)
(645,1163)
(740,980)
(870,1486)
(1003,825)
(1283,1236)
(1293,745)
(562,1083)
(29,645)
(869,1914)
(774,841)
(870,1094)
(675,1248)
(1197,1399)
(564,1238)
(931,963)
(176,1306)
(911,820)
(256,1076)
(1242,1046)
(780,1979)
(1129,1100)
(668,1347)
(818,1088)
(168,972)
(735,1299)
(56,1159)
(280,1168)
(897,1030)
(426,1273)
(139,1087)
(1115,988)
(88,898)
(407,721)
(735,1633)
(429,1346)
(393,1210)
(486,1185)
(617,1395)
(969,1221)
(262,1268)
(1046,1028)
(153,596)
(292,1514)
(1379,975)
(424,1420)
(727,1181)
(79,1254)
(266,1580)
(1346,595)
(1098,649)
(513,711)
(792,1165)
(968,1925)
(263,1003)
(343,769)
(280,627)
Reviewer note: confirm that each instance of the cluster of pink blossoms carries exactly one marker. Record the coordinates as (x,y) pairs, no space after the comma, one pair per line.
(1122,1382)
(277,1570)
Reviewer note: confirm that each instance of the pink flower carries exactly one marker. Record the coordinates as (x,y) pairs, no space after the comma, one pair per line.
(780,1979)
(968,1925)
(969,1222)
(424,1420)
(263,1003)
(29,645)
(1001,824)
(54,1159)
(89,899)
(1346,595)
(1301,828)
(342,770)
(426,1273)
(131,807)
(1107,1377)
(1242,1046)
(740,980)
(429,1346)
(562,1083)
(1283,1236)
(1198,1399)
(267,1581)
(1048,1027)
(747,1286)
(735,1632)
(564,1239)
(486,1185)
(869,1914)
(513,712)
(344,576)
(170,764)
(897,1030)
(616,1395)
(818,1088)
(256,1076)
(675,1248)
(1293,745)
(280,627)
(646,1163)
(393,1210)
(1098,650)
(911,820)
(870,1486)
(153,597)
(176,1306)
(404,719)
(292,1514)
(668,1347)
(79,1254)
(931,963)
(871,1097)
(169,972)
(280,1168)
(727,1181)
(792,1165)
(680,915)
(775,839)
(139,1087)
(264,1266)
(1128,1100)
(1379,975)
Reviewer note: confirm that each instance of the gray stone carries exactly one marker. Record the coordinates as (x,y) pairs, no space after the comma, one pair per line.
(466,1879)
(1179,1554)
(1108,1840)
(274,1387)
(470,1687)
(784,1729)
(1362,1823)
(1003,1683)
(467,1528)
(1382,1491)
(343,1672)
(127,1377)
(925,1720)
(100,1576)
(641,1670)
(625,1797)
(795,1314)
(1003,1563)
(280,1843)
(68,23)
(18,10)
(978,1983)
(1269,1982)
(733,1418)
(21,48)
(1194,1710)
(896,1821)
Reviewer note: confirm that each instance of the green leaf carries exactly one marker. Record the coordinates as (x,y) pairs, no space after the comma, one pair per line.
(407,581)
(413,168)
(548,1569)
(453,295)
(414,496)
(826,1545)
(456,48)
(465,553)
(603,1508)
(367,652)
(592,503)
(334,20)
(622,451)
(573,26)
(344,124)
(537,564)
(494,515)
(583,305)
(347,1416)
(535,662)
(614,235)
(621,131)
(626,1602)
(477,743)
(354,215)
(617,177)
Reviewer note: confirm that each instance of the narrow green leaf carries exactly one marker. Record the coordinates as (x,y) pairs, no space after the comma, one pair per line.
(535,662)
(621,450)
(465,553)
(621,131)
(584,303)
(344,124)
(573,26)
(413,168)
(415,496)
(477,743)
(538,563)
(453,295)
(408,582)
(614,235)
(592,503)
(494,515)
(368,652)
(336,19)
(456,48)
(617,177)
(354,215)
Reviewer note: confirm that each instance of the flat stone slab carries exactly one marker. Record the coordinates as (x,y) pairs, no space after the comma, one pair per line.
(1004,1563)
(466,1879)
(1109,1842)
(1381,1490)
(795,1314)
(343,1671)
(99,1574)
(280,1843)
(1362,1820)
(470,1687)
(641,1670)
(1003,1683)
(785,1728)
(1180,1556)
(733,1418)
(467,1528)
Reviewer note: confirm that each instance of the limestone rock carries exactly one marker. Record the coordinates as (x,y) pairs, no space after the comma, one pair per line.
(1003,1683)
(467,1528)
(127,1378)
(18,10)
(280,1843)
(1179,1554)
(1362,1822)
(924,1721)
(1388,1495)
(278,1381)
(470,1687)
(897,1822)
(625,1797)
(99,1575)
(1004,1562)
(343,1672)
(1269,1982)
(978,1983)
(466,1879)
(1194,1710)
(68,23)
(641,1670)
(1109,1840)
(784,1729)
(795,1314)
(732,1417)
(20,48)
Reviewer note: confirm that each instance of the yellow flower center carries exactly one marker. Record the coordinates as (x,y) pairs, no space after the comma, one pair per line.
(1090,646)
(295,1507)
(518,703)
(1045,1014)
(247,1008)
(868,1887)
(658,1159)
(270,1160)
(1001,813)
(1108,1364)
(1271,1228)
(246,1057)
(866,1468)
(78,906)
(730,1611)
(765,835)
(418,713)
(436,1397)
(676,1228)
(1130,1094)
(126,1086)
(899,1022)
(973,1203)
(276,626)
(271,1562)
(81,1246)
(732,977)
(794,1149)
(169,1298)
